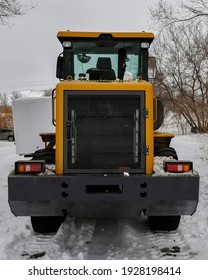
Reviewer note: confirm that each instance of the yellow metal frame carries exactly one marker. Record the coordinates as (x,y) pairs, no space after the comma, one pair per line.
(158,134)
(86,85)
(162,139)
(78,34)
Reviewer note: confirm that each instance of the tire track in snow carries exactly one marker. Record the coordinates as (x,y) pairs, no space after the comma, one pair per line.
(38,246)
(72,239)
(132,239)
(70,242)
(118,239)
(169,245)
(32,246)
(103,239)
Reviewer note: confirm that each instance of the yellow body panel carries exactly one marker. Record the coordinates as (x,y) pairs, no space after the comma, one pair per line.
(158,134)
(77,34)
(89,85)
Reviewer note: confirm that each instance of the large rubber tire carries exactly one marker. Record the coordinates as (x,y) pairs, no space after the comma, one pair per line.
(165,223)
(166,152)
(46,224)
(45,154)
(160,114)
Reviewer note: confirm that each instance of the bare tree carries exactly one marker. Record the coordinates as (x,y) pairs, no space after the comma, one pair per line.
(47,92)
(182,77)
(166,14)
(15,95)
(12,8)
(5,112)
(182,59)
(4,100)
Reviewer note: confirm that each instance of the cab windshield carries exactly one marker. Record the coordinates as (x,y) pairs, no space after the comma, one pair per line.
(89,63)
(106,59)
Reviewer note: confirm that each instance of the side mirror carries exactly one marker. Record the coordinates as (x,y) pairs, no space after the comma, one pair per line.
(60,67)
(151,67)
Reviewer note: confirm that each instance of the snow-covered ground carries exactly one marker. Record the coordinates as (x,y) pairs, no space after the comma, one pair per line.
(107,239)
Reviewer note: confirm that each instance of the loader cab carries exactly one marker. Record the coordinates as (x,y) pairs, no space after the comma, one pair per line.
(104,56)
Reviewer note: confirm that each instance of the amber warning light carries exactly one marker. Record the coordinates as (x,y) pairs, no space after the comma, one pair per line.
(29,167)
(178,166)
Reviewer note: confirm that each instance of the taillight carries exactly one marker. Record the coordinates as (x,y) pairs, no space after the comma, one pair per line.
(178,166)
(29,167)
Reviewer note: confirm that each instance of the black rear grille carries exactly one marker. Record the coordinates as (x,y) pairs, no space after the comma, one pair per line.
(103,131)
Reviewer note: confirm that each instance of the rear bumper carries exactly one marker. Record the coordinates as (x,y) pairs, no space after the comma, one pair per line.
(103,196)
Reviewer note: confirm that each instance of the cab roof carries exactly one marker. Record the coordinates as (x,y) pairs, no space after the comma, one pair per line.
(70,35)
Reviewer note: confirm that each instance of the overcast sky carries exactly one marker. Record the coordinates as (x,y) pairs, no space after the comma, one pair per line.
(29,49)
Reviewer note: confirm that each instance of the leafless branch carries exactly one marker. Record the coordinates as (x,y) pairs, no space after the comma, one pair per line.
(13,8)
(165,14)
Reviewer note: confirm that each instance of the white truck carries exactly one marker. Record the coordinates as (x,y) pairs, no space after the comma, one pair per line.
(32,116)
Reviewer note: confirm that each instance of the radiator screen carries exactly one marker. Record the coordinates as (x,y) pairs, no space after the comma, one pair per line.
(104,132)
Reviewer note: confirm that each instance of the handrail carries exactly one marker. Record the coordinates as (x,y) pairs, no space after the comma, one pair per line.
(53,107)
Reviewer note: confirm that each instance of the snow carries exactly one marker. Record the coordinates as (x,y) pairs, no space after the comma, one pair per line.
(31,93)
(108,239)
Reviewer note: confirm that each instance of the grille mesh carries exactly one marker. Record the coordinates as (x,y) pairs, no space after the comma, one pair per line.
(103,132)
